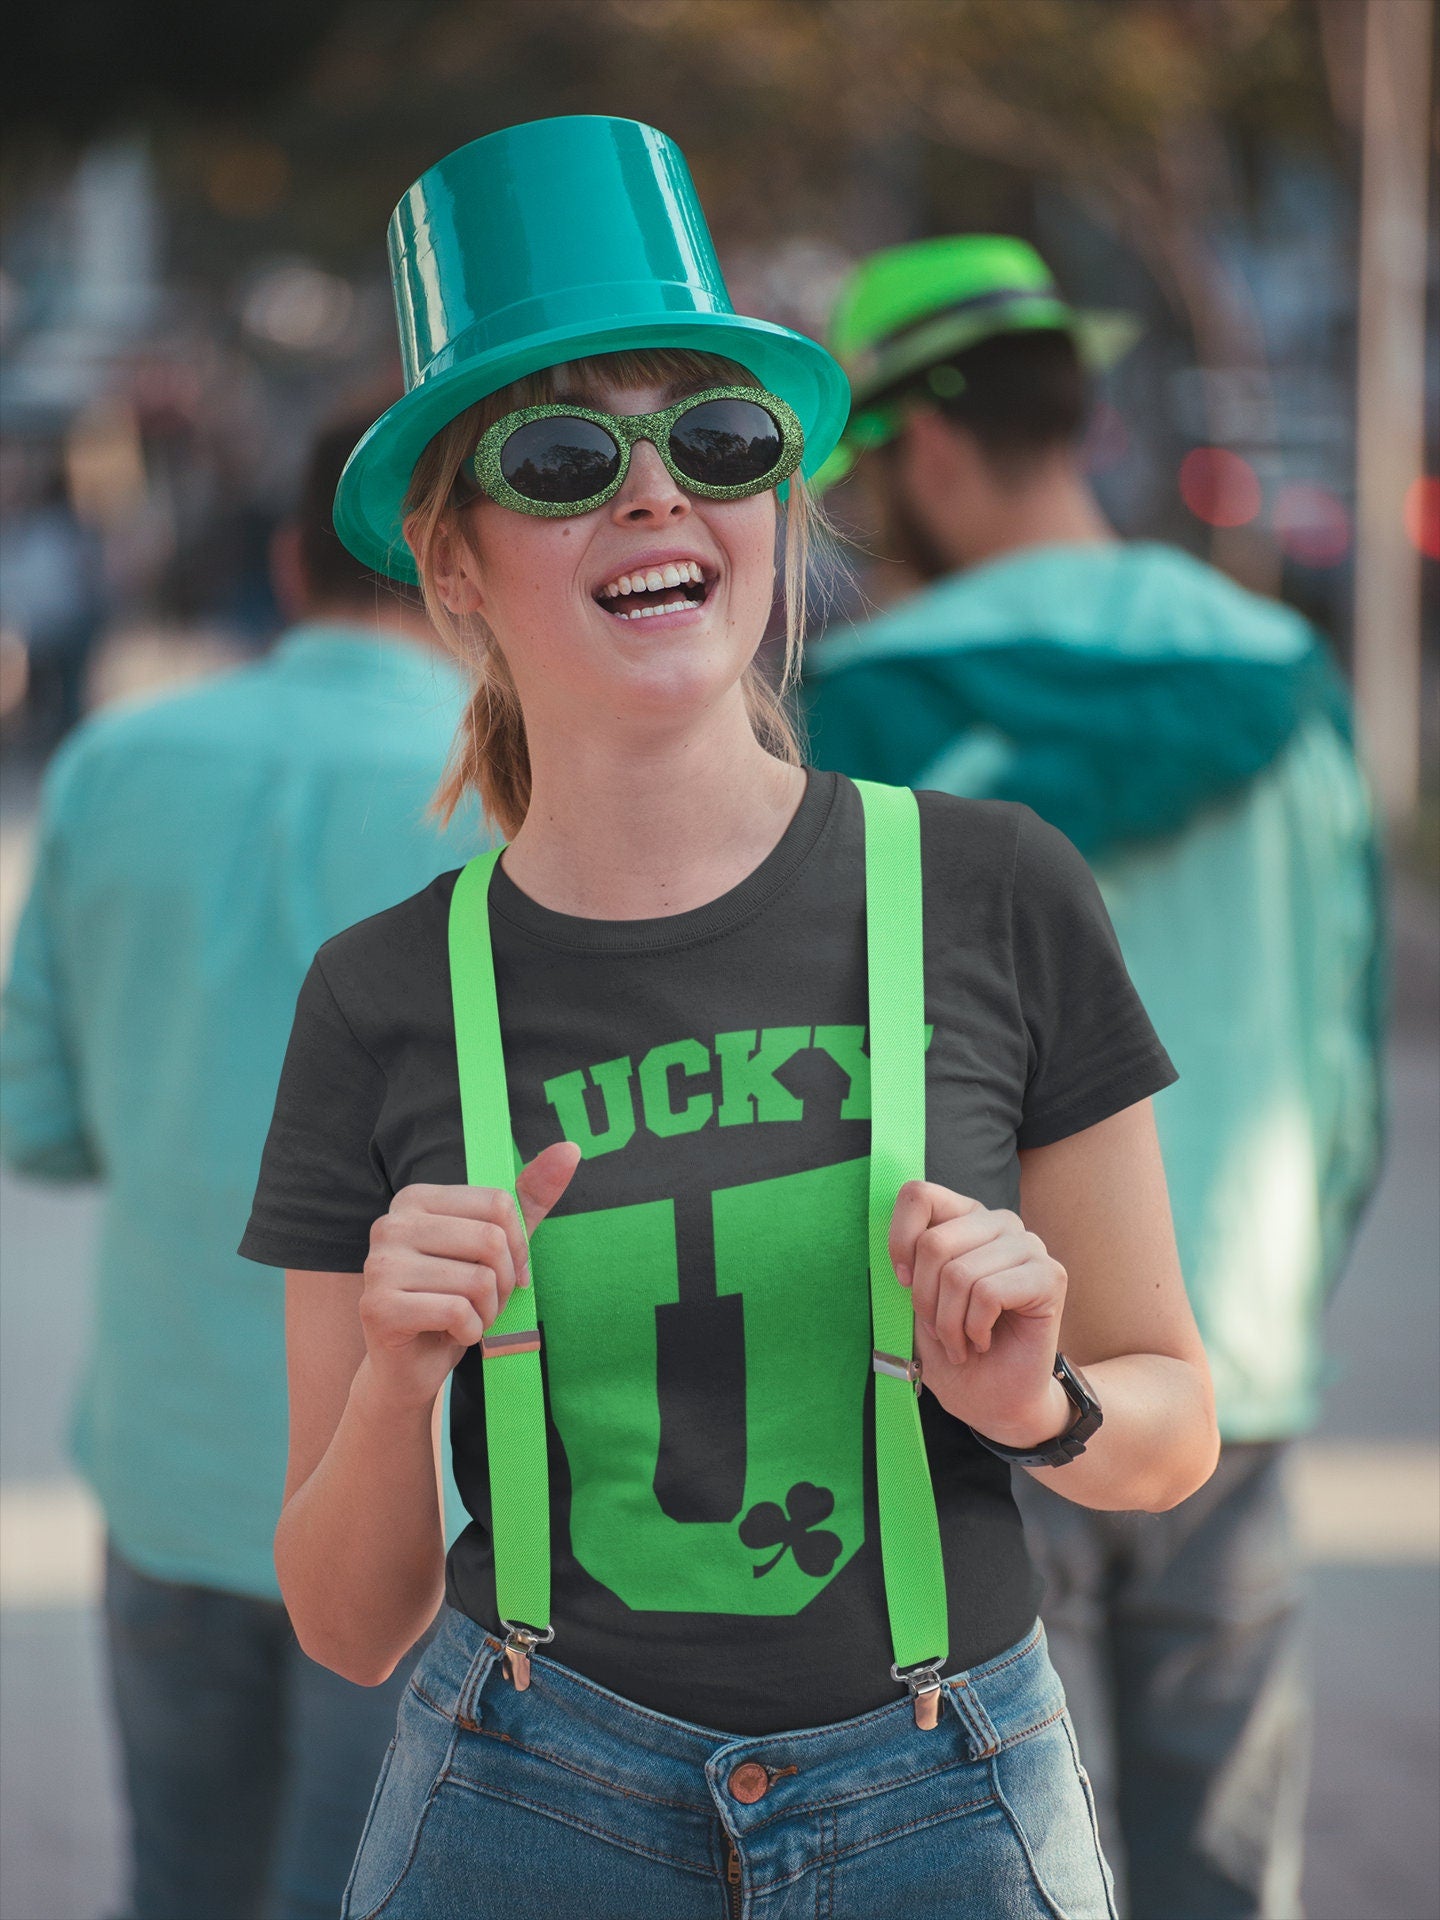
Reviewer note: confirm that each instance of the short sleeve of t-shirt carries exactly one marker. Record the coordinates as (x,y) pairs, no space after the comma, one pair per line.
(322,1182)
(1092,1050)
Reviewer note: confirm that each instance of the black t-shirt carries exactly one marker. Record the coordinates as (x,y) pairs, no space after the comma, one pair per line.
(702,1285)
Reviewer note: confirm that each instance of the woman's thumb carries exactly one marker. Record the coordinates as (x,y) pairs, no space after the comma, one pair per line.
(541,1183)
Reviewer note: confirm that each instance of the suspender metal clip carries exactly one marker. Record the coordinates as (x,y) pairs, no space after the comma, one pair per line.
(897,1368)
(518,1643)
(923,1680)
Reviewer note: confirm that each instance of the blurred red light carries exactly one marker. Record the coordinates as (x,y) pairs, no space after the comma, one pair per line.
(1422,514)
(1219,487)
(1311,524)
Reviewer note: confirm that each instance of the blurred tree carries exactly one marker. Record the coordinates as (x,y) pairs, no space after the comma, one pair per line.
(76,67)
(1138,107)
(303,120)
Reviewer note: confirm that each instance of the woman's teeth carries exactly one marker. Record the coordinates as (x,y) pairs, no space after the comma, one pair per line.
(644,613)
(685,574)
(653,579)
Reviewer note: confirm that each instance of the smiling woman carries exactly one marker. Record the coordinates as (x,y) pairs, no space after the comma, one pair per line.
(658,1169)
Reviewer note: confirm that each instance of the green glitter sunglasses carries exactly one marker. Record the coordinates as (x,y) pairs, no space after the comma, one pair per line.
(723,444)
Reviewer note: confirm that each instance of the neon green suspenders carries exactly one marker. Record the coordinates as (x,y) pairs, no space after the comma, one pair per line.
(909,1525)
(514,1402)
(514,1396)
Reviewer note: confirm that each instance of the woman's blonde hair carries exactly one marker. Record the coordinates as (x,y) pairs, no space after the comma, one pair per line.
(490,755)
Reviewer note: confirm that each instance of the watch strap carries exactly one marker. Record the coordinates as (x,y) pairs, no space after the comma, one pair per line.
(1066,1446)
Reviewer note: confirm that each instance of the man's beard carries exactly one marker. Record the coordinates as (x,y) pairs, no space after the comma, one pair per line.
(903,537)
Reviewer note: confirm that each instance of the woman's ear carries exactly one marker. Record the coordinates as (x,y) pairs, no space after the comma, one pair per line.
(452,568)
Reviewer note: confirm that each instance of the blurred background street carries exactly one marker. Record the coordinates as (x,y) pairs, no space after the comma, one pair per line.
(194,276)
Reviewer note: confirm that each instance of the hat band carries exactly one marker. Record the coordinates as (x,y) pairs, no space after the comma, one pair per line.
(567,309)
(951,330)
(992,297)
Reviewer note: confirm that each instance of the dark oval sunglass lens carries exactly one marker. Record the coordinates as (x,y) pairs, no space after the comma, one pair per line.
(724,443)
(562,459)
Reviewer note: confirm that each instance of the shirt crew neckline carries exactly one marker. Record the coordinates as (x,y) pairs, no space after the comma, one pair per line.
(666,932)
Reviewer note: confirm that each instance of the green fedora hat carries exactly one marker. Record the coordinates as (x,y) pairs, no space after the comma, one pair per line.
(907,310)
(540,244)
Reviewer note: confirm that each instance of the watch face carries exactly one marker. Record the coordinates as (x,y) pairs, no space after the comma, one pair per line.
(1084,1385)
(1088,1415)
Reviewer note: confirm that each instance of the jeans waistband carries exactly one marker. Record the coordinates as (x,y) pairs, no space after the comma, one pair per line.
(1001,1700)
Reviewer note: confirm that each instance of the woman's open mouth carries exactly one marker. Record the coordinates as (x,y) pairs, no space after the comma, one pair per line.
(677,587)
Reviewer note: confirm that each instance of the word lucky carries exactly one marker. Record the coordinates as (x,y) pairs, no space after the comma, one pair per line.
(663,1086)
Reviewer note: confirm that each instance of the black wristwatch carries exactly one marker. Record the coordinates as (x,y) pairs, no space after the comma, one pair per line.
(1066,1445)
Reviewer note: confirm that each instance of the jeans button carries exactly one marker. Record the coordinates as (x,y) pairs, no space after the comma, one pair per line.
(749,1781)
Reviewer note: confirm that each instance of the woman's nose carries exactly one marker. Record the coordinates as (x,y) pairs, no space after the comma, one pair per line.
(649,491)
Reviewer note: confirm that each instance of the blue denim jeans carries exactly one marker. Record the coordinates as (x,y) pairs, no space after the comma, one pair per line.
(247,1767)
(567,1802)
(1179,1640)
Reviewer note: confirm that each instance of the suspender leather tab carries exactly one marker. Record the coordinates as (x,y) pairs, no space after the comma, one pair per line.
(492,1344)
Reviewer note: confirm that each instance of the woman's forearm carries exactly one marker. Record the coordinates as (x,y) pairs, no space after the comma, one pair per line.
(360,1547)
(1157,1443)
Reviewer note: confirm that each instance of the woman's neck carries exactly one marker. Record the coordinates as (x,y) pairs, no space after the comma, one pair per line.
(635,836)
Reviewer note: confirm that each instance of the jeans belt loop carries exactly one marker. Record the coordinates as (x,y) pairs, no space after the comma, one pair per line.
(983,1739)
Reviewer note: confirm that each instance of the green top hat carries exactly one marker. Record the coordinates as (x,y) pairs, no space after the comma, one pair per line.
(540,244)
(907,310)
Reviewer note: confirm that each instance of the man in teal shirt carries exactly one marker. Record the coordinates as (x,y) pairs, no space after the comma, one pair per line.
(193,852)
(1194,742)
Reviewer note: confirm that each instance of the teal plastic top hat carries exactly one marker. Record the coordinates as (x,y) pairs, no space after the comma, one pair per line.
(544,243)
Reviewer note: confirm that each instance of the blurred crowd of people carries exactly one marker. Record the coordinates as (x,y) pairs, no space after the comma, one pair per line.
(136,517)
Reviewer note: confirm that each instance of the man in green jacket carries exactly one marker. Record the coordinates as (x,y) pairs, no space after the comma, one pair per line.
(1194,742)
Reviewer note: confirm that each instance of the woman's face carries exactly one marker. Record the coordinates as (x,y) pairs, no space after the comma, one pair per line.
(576,647)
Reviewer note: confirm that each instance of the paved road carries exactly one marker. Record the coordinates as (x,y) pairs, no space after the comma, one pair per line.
(1369,1494)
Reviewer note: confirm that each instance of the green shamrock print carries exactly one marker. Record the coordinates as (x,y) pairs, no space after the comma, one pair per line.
(767,1525)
